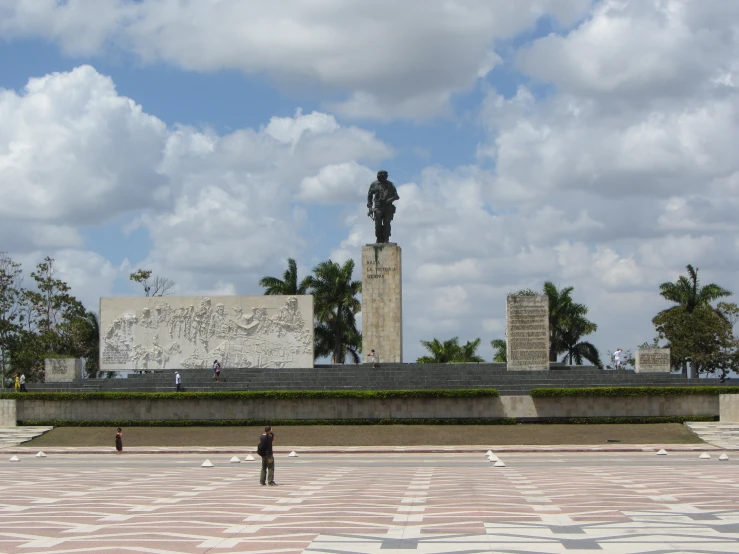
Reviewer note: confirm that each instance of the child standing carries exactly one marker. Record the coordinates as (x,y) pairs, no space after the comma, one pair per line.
(373,357)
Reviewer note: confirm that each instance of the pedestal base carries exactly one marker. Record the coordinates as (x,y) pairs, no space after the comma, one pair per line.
(382,302)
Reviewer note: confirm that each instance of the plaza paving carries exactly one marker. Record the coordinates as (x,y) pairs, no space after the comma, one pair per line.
(546,502)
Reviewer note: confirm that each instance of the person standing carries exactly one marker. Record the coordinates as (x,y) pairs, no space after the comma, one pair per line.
(373,357)
(119,441)
(23,383)
(216,371)
(17,383)
(617,359)
(264,449)
(177,380)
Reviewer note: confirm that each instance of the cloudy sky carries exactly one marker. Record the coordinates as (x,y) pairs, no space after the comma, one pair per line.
(590,143)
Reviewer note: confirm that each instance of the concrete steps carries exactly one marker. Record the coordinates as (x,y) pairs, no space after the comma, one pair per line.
(13,436)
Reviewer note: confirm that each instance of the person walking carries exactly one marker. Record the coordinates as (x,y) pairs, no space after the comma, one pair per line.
(178,380)
(23,383)
(617,359)
(216,371)
(373,357)
(119,441)
(267,475)
(17,383)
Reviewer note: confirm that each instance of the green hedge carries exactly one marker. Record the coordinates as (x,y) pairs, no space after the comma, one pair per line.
(388,421)
(624,419)
(252,395)
(632,391)
(262,422)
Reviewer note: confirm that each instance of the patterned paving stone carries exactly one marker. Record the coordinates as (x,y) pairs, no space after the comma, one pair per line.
(555,503)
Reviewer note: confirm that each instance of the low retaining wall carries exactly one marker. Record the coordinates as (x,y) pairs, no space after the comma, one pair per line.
(518,407)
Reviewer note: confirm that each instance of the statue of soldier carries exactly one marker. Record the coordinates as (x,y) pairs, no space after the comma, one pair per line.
(380,200)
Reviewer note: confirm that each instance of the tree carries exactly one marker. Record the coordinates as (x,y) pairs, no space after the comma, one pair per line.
(154,285)
(687,292)
(576,349)
(288,285)
(82,338)
(450,351)
(567,324)
(702,338)
(336,306)
(703,342)
(51,304)
(11,317)
(501,351)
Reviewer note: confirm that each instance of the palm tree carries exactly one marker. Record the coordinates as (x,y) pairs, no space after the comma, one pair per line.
(336,305)
(450,351)
(501,350)
(566,319)
(288,285)
(577,350)
(689,294)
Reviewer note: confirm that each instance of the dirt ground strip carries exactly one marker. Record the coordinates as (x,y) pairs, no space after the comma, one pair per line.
(374,435)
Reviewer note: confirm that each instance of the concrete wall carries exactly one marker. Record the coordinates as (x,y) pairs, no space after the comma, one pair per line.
(520,407)
(7,413)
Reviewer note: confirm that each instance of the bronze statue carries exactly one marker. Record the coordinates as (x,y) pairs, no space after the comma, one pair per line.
(380,200)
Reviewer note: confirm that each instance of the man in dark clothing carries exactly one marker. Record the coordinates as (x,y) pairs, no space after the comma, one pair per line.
(382,193)
(268,458)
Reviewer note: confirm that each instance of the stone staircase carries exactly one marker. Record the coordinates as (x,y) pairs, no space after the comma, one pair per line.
(384,377)
(13,436)
(723,435)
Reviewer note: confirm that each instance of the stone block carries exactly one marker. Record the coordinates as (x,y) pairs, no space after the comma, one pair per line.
(190,332)
(527,333)
(62,370)
(729,408)
(382,302)
(652,360)
(7,413)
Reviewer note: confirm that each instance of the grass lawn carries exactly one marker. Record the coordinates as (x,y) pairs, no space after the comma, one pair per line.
(373,435)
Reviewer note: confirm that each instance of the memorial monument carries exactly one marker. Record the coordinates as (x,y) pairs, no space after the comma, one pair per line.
(62,370)
(382,296)
(527,333)
(652,360)
(191,332)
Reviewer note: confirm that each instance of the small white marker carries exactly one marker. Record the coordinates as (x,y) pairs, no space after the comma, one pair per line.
(704,456)
(41,455)
(723,457)
(249,458)
(293,454)
(14,459)
(499,463)
(206,463)
(489,453)
(662,452)
(235,460)
(493,458)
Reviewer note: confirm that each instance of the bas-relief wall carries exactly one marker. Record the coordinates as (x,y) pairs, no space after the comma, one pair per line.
(192,332)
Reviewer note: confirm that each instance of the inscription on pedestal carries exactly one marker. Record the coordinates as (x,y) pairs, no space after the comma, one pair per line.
(382,302)
(527,336)
(652,360)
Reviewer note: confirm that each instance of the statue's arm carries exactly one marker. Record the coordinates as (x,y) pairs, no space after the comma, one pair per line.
(395,194)
(369,197)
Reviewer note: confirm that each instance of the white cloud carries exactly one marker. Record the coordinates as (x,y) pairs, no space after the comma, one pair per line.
(390,59)
(337,184)
(71,149)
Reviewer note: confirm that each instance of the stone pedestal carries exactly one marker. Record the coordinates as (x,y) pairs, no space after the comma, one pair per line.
(527,333)
(382,302)
(652,360)
(62,370)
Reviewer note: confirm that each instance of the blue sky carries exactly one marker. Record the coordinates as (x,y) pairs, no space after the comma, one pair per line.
(586,143)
